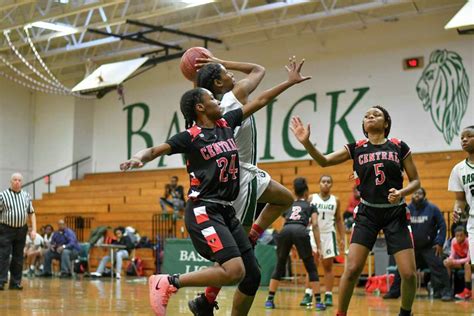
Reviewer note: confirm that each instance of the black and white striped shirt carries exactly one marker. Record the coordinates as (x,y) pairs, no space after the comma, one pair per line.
(15,207)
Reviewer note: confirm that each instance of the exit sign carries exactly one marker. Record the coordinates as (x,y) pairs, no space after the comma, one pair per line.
(412,63)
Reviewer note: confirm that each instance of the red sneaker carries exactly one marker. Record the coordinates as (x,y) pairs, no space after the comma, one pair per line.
(464,295)
(160,291)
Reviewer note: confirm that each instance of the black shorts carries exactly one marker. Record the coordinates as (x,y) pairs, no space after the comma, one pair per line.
(215,232)
(394,221)
(294,234)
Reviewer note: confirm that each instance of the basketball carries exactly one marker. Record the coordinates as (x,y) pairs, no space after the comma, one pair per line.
(189,59)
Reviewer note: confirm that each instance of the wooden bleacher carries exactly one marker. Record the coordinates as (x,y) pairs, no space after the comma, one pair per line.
(131,198)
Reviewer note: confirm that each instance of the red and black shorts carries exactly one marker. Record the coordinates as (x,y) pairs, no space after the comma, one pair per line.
(394,221)
(215,231)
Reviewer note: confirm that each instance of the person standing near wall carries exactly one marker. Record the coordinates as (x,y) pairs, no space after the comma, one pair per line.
(15,207)
(461,182)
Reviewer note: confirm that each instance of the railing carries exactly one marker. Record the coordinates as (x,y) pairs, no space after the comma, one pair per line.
(75,166)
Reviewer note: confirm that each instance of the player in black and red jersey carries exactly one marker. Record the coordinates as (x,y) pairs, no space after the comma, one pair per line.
(213,166)
(295,232)
(379,165)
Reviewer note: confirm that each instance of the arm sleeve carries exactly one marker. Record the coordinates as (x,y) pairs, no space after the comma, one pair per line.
(314,209)
(454,184)
(71,239)
(462,261)
(180,143)
(234,118)
(441,227)
(181,192)
(452,252)
(350,149)
(128,243)
(405,150)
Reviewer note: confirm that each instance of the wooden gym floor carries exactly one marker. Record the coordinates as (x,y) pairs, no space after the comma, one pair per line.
(130,297)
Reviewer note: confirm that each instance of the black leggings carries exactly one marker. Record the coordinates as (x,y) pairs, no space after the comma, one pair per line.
(295,234)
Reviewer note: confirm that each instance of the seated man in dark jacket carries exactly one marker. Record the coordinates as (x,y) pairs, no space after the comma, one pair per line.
(120,254)
(429,233)
(64,247)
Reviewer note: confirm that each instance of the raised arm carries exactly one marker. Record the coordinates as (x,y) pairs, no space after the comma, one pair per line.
(302,134)
(143,156)
(247,85)
(294,77)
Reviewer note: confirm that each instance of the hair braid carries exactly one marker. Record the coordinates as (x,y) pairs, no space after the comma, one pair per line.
(188,103)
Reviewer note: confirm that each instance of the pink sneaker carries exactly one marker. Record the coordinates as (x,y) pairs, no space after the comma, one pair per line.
(464,295)
(160,291)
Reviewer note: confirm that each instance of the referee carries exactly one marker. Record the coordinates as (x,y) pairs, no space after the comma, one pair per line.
(15,207)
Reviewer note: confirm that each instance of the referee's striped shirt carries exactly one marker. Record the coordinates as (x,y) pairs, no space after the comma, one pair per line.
(15,207)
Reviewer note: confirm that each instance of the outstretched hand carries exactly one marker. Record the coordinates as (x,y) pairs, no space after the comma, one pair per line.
(294,71)
(301,132)
(132,163)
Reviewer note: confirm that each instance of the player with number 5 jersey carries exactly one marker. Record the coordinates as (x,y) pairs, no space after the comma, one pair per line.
(379,165)
(212,162)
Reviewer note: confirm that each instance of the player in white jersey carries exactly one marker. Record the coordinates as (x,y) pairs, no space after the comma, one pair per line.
(461,182)
(255,184)
(329,220)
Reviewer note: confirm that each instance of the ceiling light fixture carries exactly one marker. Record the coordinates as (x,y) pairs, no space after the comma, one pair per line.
(463,21)
(58,27)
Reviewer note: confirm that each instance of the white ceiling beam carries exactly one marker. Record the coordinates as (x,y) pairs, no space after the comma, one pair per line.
(15,5)
(102,4)
(312,17)
(121,20)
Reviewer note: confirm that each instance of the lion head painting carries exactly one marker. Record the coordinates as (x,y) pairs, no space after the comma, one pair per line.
(444,90)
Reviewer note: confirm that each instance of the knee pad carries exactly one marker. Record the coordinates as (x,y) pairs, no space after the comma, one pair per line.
(311,268)
(251,281)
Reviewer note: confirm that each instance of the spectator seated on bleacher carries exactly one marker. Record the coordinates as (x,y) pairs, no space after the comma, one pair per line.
(120,254)
(64,247)
(32,252)
(459,259)
(173,197)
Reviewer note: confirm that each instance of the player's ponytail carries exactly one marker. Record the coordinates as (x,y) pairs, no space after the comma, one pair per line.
(387,118)
(206,76)
(188,104)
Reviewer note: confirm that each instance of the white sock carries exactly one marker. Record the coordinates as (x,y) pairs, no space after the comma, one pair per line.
(32,267)
(308,291)
(330,293)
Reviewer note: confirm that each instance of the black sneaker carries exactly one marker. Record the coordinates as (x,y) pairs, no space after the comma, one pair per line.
(446,295)
(15,286)
(2,286)
(391,296)
(200,306)
(45,275)
(65,275)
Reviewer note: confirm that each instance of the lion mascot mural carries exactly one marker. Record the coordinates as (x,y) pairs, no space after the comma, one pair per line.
(444,90)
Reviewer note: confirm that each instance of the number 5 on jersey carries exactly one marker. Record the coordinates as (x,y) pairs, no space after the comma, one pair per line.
(222,163)
(379,172)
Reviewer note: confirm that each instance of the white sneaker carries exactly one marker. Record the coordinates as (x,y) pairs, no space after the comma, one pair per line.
(118,276)
(96,274)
